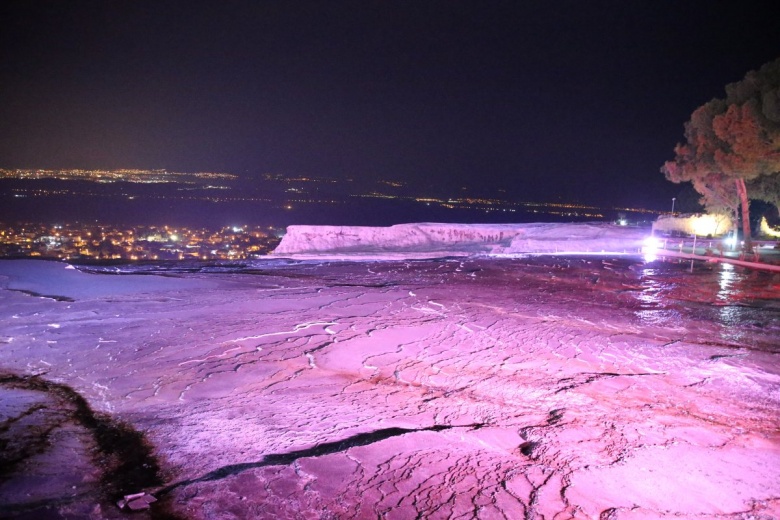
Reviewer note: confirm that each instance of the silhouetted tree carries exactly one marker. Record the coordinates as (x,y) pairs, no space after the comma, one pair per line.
(767,189)
(732,142)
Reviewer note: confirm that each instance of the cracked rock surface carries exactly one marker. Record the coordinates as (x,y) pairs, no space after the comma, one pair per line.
(471,388)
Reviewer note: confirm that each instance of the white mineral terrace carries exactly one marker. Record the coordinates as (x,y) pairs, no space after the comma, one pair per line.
(543,388)
(425,240)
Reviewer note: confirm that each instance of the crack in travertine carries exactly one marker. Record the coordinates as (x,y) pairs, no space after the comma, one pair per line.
(325,448)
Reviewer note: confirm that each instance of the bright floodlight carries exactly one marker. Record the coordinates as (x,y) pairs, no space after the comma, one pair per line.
(650,248)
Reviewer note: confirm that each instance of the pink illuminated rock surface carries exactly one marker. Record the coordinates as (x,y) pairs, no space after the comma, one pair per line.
(427,239)
(470,388)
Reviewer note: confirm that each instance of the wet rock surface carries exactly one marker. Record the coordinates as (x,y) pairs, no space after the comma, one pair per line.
(552,387)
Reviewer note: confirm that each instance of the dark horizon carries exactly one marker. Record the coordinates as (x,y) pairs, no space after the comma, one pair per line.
(562,101)
(124,203)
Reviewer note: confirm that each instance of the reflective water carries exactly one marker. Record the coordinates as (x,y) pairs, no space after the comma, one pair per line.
(743,304)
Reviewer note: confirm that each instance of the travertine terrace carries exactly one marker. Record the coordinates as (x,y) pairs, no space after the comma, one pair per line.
(458,388)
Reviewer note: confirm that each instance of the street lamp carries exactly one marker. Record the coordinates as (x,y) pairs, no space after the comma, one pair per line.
(673,199)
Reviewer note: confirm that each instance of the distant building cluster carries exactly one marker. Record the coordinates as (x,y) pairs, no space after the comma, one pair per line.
(124,175)
(499,205)
(99,242)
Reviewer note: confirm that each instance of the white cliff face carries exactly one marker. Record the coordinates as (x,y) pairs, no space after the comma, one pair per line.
(431,239)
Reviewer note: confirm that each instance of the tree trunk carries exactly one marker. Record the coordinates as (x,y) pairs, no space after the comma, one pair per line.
(743,199)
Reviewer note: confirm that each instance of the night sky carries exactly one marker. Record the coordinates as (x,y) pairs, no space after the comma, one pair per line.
(564,100)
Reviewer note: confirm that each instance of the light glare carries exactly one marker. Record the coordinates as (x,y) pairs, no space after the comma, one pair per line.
(650,248)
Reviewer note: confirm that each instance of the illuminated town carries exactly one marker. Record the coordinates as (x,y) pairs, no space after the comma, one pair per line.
(122,175)
(92,242)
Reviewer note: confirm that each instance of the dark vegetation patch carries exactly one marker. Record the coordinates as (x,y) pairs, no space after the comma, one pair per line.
(125,458)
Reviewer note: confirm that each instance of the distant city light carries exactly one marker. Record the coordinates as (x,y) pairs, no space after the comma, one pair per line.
(79,241)
(122,175)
